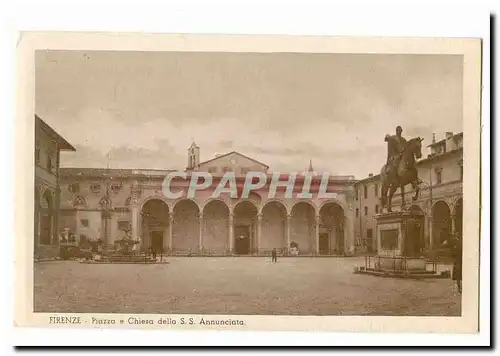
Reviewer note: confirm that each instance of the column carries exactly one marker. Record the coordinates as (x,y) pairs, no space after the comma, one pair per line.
(259,232)
(231,233)
(110,240)
(349,232)
(333,240)
(431,228)
(453,224)
(170,230)
(57,212)
(135,222)
(316,239)
(288,231)
(200,242)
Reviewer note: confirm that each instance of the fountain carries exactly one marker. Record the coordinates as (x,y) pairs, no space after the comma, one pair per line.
(125,253)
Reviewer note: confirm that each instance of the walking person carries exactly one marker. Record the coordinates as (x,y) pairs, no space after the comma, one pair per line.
(457,262)
(274,255)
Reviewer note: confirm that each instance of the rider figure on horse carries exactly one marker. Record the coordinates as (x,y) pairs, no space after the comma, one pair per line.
(395,147)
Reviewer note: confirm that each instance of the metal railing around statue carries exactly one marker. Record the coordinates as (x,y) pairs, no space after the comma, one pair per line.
(395,264)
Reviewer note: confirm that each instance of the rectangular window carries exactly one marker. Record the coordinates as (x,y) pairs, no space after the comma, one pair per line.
(357,194)
(439,176)
(357,212)
(376,209)
(366,210)
(49,164)
(365,193)
(376,190)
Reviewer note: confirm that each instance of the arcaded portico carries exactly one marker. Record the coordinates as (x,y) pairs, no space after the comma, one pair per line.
(203,225)
(219,226)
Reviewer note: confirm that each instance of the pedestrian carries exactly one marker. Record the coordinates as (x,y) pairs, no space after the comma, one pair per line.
(274,255)
(457,262)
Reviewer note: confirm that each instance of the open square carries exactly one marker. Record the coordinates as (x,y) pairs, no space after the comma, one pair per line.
(237,285)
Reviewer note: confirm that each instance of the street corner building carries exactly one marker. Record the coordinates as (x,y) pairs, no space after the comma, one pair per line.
(440,202)
(48,146)
(110,204)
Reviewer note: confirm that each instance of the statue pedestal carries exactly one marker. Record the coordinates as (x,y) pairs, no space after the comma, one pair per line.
(400,234)
(400,240)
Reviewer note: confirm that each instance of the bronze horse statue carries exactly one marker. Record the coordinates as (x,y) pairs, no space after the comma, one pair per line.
(399,173)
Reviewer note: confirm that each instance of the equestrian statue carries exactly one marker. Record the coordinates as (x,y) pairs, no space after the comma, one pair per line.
(400,168)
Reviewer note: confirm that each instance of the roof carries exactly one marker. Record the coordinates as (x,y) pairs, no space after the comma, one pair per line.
(63,144)
(440,142)
(227,154)
(103,172)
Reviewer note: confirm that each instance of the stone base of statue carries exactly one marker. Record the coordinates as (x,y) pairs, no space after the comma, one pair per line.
(400,241)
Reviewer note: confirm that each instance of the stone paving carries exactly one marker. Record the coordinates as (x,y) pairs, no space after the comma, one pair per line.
(237,285)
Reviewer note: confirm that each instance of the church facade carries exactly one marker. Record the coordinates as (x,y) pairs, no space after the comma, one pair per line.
(109,204)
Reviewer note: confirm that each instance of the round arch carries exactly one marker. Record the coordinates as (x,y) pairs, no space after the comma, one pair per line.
(458,206)
(458,216)
(215,227)
(275,201)
(213,201)
(416,207)
(441,222)
(300,202)
(244,218)
(154,218)
(303,226)
(46,218)
(186,233)
(184,200)
(331,228)
(332,201)
(274,226)
(146,199)
(243,201)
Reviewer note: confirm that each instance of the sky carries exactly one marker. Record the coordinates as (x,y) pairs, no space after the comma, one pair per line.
(143,109)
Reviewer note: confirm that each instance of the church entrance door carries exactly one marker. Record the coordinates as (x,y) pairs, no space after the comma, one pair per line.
(242,240)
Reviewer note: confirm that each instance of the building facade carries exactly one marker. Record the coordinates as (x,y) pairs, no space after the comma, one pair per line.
(108,204)
(48,145)
(440,196)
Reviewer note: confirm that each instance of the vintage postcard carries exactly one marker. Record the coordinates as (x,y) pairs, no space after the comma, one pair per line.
(185,182)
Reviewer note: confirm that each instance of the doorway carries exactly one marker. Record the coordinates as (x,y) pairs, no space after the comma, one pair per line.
(324,243)
(157,241)
(242,240)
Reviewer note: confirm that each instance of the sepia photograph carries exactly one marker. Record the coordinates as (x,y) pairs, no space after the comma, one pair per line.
(202,187)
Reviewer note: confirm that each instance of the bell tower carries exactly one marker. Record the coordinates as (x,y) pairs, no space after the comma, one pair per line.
(193,156)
